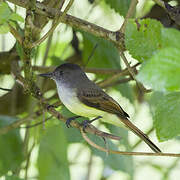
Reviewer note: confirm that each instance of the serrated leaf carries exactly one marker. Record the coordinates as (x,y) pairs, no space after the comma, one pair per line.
(105,55)
(162,71)
(167,117)
(4,12)
(11,155)
(52,158)
(143,38)
(120,6)
(16,17)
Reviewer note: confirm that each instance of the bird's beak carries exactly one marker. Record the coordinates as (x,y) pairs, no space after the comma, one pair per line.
(48,75)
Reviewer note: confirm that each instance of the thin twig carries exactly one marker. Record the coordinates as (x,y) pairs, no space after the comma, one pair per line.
(5,89)
(75,22)
(129,14)
(55,24)
(140,86)
(41,122)
(107,71)
(15,33)
(122,152)
(92,52)
(125,80)
(116,76)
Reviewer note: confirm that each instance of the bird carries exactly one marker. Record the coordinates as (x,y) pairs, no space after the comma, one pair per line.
(84,98)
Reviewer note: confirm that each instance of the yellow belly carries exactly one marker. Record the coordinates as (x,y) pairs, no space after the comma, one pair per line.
(70,100)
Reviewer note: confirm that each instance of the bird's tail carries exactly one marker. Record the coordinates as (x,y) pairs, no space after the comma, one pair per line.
(139,133)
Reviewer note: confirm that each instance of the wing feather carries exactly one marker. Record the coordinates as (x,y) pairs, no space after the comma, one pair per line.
(100,100)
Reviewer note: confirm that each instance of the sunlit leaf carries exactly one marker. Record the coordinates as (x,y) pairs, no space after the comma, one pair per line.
(162,71)
(4,28)
(120,6)
(11,155)
(104,56)
(167,117)
(143,38)
(5,12)
(16,17)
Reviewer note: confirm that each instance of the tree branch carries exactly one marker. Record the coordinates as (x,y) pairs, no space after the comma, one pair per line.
(124,153)
(74,22)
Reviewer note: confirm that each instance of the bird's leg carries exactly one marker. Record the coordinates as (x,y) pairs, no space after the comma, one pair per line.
(86,122)
(68,121)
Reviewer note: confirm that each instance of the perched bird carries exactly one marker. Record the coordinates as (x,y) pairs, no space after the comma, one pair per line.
(84,98)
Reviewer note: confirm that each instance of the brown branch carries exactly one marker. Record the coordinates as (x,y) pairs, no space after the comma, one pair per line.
(129,14)
(54,25)
(124,72)
(107,71)
(40,8)
(122,152)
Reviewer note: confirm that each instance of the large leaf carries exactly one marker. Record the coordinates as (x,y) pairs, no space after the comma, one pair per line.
(105,55)
(120,6)
(167,117)
(162,71)
(170,37)
(52,159)
(143,38)
(11,155)
(5,12)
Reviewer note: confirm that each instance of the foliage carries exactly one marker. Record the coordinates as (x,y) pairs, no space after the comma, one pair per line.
(43,151)
(7,17)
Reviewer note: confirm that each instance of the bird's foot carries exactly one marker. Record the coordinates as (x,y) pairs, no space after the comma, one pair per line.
(68,121)
(50,106)
(87,122)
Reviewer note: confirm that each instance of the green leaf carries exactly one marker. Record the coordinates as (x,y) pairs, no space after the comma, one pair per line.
(19,50)
(167,117)
(143,38)
(11,155)
(5,12)
(153,100)
(52,158)
(126,90)
(170,37)
(16,17)
(4,28)
(162,71)
(105,55)
(120,6)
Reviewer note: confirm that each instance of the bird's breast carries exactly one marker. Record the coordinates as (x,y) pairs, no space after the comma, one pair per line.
(68,97)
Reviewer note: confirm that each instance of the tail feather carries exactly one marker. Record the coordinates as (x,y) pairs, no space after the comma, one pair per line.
(139,133)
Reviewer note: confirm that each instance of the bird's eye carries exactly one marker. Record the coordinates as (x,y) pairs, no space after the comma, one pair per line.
(61,73)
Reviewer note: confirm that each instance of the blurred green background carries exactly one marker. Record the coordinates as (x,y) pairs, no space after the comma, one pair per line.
(51,151)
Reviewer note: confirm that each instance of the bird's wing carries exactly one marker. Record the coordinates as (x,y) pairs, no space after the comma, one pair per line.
(98,99)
